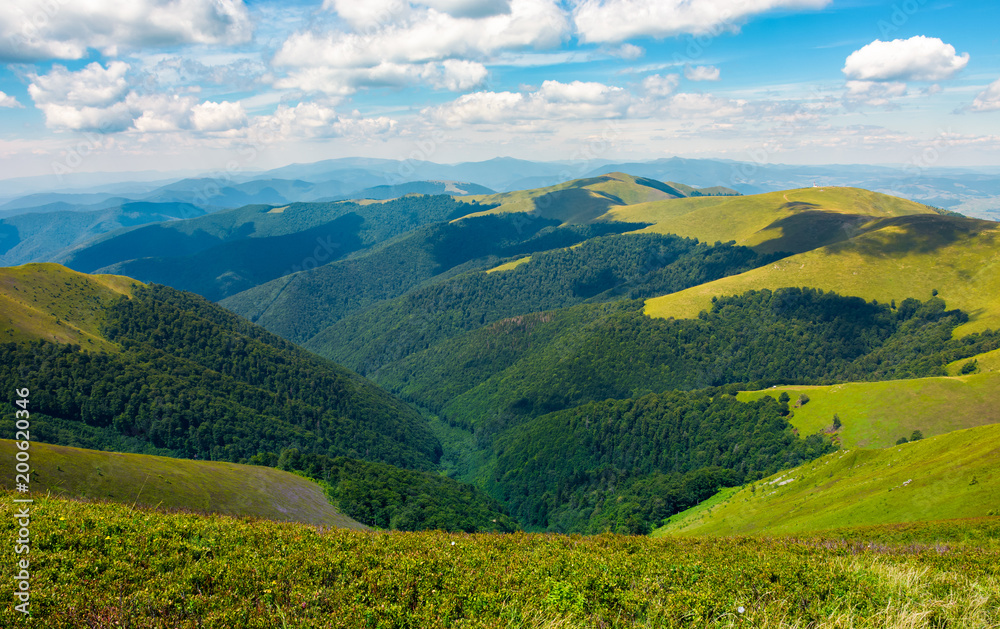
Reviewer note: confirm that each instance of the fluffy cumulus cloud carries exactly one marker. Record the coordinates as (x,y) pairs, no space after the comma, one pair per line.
(658,86)
(701,73)
(314,120)
(98,98)
(555,101)
(618,20)
(390,42)
(32,30)
(552,101)
(8,101)
(918,58)
(988,99)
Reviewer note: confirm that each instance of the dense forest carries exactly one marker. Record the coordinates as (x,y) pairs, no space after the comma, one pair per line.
(625,465)
(234,250)
(301,305)
(601,269)
(389,497)
(193,380)
(502,374)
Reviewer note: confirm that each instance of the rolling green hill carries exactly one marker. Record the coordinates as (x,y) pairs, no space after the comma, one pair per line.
(230,251)
(913,256)
(877,414)
(156,481)
(955,475)
(187,378)
(500,374)
(302,305)
(585,200)
(41,236)
(53,303)
(600,269)
(792,221)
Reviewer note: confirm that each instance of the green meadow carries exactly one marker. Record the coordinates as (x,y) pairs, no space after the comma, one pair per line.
(912,257)
(156,481)
(49,301)
(98,564)
(955,475)
(877,414)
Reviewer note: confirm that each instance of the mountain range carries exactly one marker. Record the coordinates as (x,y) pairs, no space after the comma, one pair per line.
(597,354)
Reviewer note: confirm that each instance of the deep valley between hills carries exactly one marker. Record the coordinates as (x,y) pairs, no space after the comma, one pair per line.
(665,377)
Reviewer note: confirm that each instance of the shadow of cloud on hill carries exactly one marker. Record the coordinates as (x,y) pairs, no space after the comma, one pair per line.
(810,229)
(918,234)
(575,205)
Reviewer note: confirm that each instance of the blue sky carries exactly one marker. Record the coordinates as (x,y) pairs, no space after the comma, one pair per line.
(224,84)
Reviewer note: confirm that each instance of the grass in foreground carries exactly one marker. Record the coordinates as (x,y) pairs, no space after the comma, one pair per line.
(108,565)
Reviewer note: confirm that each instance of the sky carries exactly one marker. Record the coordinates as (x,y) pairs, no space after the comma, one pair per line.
(244,85)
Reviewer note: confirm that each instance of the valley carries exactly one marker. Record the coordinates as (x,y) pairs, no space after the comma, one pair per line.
(609,355)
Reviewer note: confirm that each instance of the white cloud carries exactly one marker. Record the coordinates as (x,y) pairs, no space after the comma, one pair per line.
(875,93)
(100,99)
(211,116)
(705,106)
(659,86)
(918,58)
(459,75)
(313,120)
(552,101)
(627,51)
(470,8)
(9,101)
(161,113)
(618,20)
(93,86)
(90,99)
(410,43)
(32,30)
(988,99)
(701,73)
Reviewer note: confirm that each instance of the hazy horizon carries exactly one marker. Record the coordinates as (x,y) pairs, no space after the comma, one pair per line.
(262,84)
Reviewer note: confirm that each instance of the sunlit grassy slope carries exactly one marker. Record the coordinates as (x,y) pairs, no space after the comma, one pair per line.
(955,475)
(793,220)
(106,565)
(212,487)
(909,257)
(582,200)
(877,414)
(988,362)
(48,301)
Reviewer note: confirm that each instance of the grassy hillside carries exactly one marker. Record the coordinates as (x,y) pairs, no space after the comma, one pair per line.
(584,200)
(983,363)
(876,414)
(956,475)
(202,486)
(106,565)
(188,379)
(959,257)
(51,302)
(301,305)
(793,221)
